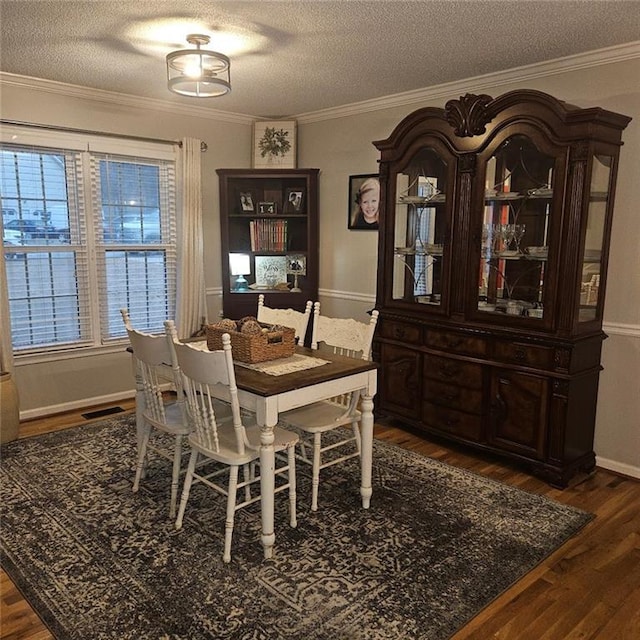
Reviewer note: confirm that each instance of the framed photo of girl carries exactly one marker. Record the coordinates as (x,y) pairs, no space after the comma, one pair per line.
(364,201)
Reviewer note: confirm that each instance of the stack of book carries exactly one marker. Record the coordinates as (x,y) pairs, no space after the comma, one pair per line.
(268,235)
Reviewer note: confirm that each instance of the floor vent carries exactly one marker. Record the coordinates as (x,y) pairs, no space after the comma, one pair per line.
(102,412)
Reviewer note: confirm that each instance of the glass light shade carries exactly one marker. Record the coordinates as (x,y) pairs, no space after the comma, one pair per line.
(240,264)
(198,72)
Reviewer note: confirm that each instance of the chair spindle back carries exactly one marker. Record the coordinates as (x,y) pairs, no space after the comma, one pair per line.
(205,375)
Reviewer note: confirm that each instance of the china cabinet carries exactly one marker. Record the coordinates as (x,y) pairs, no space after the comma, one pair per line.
(495,226)
(269,238)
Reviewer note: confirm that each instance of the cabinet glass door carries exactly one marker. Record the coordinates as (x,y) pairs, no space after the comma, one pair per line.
(515,229)
(419,244)
(594,238)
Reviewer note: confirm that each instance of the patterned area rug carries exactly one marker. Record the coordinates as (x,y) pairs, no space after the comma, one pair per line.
(98,561)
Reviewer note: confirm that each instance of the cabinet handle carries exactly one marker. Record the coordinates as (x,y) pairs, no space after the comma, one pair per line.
(451,396)
(400,332)
(450,422)
(452,344)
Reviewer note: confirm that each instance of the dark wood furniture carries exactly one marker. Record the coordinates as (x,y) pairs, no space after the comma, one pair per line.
(495,227)
(271,217)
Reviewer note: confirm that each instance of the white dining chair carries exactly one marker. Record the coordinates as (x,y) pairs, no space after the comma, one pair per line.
(152,357)
(297,320)
(235,444)
(342,336)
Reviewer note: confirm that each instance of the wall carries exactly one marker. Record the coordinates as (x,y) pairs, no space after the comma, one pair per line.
(339,141)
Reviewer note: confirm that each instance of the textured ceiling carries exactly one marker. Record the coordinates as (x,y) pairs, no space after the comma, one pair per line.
(290,58)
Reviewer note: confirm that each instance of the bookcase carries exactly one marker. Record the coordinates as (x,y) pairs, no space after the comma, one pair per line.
(269,238)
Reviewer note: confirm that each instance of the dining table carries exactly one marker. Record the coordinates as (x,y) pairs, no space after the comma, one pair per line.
(268,394)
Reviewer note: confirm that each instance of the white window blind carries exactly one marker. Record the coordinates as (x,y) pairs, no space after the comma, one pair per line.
(84,234)
(134,218)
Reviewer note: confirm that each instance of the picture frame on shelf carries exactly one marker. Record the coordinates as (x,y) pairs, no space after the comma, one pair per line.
(271,271)
(267,208)
(296,267)
(246,202)
(294,201)
(274,144)
(364,202)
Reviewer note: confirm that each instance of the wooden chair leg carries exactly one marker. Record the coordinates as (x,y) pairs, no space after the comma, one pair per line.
(231,511)
(315,478)
(291,458)
(355,426)
(142,456)
(188,479)
(175,475)
(246,471)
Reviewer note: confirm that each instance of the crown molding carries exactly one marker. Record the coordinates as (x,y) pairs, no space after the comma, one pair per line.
(609,55)
(123,99)
(618,53)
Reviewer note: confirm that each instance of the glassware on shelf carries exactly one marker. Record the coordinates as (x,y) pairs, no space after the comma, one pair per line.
(518,233)
(509,235)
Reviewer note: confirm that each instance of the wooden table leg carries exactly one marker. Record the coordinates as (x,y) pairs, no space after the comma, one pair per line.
(267,423)
(366,451)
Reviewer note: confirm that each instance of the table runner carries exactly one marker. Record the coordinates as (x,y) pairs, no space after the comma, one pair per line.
(282,366)
(279,367)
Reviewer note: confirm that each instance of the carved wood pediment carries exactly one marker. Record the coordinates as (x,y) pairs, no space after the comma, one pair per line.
(469,115)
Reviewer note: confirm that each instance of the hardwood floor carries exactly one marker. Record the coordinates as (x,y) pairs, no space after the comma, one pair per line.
(588,590)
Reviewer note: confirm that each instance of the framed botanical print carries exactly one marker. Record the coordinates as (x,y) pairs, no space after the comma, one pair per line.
(274,144)
(364,201)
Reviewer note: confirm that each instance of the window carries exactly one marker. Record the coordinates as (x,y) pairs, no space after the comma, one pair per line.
(86,231)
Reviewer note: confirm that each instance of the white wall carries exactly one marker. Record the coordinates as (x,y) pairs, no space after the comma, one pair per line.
(339,141)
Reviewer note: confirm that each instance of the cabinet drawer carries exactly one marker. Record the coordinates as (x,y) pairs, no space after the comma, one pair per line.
(450,341)
(452,422)
(400,331)
(524,354)
(454,372)
(449,395)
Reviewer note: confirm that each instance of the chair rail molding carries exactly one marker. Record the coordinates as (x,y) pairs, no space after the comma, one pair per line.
(620,329)
(368,298)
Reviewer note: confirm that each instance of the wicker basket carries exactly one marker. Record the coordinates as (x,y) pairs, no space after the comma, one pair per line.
(253,348)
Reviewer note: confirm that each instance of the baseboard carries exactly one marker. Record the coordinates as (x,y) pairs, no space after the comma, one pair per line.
(83,403)
(618,467)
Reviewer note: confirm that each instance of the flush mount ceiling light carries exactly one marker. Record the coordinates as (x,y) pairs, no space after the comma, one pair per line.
(197,72)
